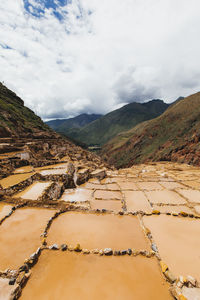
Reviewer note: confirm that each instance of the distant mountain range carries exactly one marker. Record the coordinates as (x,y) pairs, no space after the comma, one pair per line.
(173,136)
(104,128)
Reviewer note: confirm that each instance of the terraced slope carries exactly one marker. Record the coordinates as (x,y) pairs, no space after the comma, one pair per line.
(102,130)
(173,136)
(18,120)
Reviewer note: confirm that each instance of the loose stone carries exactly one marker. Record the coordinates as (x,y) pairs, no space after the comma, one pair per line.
(154,248)
(108,251)
(54,247)
(63,247)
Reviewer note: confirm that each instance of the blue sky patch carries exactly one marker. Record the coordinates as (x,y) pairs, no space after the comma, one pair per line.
(38,9)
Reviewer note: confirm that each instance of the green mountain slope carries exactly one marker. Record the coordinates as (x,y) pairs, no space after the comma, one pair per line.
(18,120)
(102,130)
(76,122)
(173,136)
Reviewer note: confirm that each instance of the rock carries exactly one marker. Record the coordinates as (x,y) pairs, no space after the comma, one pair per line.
(121,213)
(129,251)
(115,253)
(86,251)
(12,281)
(101,252)
(156,212)
(99,173)
(190,293)
(170,276)
(154,247)
(78,248)
(164,267)
(70,248)
(123,252)
(63,247)
(54,247)
(192,280)
(108,251)
(44,242)
(70,169)
(183,214)
(95,251)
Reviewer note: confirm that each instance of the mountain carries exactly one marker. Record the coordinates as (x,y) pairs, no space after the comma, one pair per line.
(64,125)
(18,120)
(103,129)
(173,136)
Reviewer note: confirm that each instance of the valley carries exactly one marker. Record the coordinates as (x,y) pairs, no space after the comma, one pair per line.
(73,225)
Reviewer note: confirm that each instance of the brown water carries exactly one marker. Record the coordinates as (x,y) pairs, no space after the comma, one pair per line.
(34,191)
(93,186)
(5,209)
(113,187)
(6,289)
(136,201)
(61,275)
(149,186)
(165,197)
(106,204)
(178,243)
(53,172)
(193,184)
(107,195)
(172,185)
(25,169)
(128,185)
(97,231)
(20,235)
(56,166)
(191,195)
(76,195)
(14,179)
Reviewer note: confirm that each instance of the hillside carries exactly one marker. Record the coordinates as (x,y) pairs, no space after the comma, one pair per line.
(64,125)
(102,130)
(173,136)
(18,120)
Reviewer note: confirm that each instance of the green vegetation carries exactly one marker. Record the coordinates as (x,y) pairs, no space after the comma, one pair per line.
(72,125)
(103,129)
(174,135)
(15,118)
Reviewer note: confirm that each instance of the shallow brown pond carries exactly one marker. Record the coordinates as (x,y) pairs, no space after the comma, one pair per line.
(97,231)
(106,204)
(34,191)
(5,209)
(178,243)
(165,197)
(60,275)
(77,195)
(136,201)
(14,179)
(20,235)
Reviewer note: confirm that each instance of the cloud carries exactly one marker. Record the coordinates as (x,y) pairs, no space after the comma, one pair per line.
(68,57)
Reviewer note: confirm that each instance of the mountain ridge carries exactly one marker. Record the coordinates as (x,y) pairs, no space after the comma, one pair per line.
(172,136)
(106,127)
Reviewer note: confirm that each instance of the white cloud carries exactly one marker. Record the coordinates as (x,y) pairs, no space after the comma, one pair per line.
(101,54)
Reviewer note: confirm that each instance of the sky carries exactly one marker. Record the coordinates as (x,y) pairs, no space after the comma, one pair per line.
(67,57)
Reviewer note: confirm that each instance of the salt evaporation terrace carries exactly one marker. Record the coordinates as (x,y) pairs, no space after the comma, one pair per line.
(126,234)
